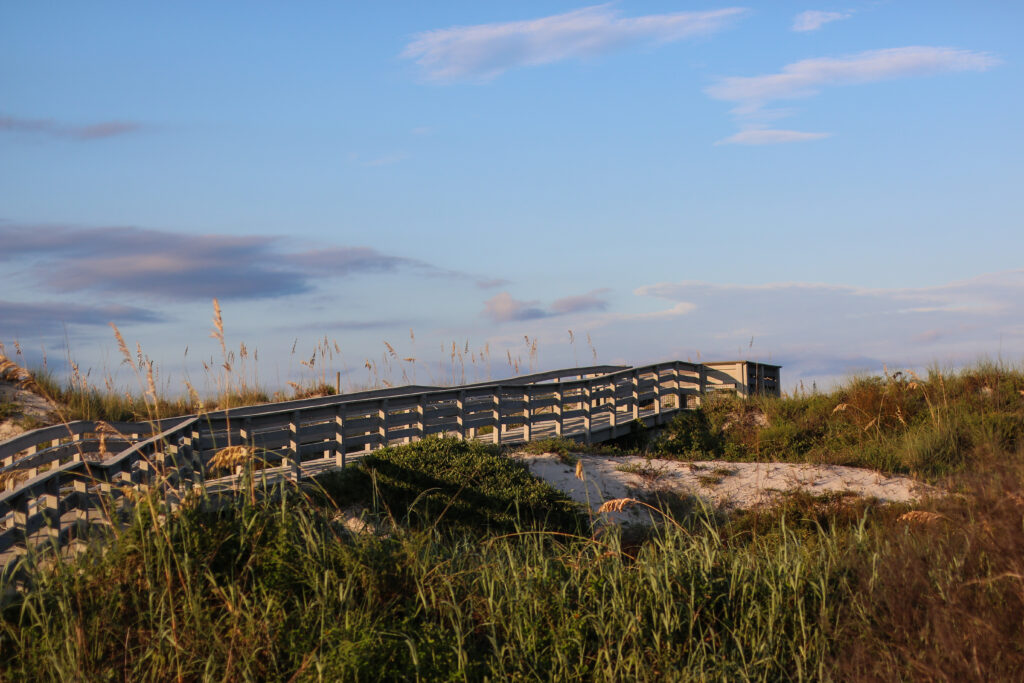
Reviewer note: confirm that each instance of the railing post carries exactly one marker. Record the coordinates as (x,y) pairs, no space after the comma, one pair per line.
(339,435)
(613,418)
(460,420)
(496,414)
(293,464)
(420,422)
(657,393)
(703,384)
(635,387)
(244,432)
(382,422)
(19,522)
(527,413)
(558,408)
(51,502)
(587,412)
(677,390)
(83,506)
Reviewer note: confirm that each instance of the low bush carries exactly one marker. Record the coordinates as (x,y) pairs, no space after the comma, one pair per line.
(451,483)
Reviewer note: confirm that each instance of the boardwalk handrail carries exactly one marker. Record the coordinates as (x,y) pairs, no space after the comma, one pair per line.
(299,438)
(41,439)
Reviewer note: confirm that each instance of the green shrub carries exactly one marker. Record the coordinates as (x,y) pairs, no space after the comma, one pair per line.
(689,435)
(454,483)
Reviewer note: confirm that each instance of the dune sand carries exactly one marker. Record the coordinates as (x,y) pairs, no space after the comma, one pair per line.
(726,485)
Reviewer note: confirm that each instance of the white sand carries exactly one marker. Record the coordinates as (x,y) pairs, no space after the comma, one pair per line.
(728,485)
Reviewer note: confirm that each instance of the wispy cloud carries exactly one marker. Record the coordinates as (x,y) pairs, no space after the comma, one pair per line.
(484,51)
(591,301)
(806,78)
(181,267)
(503,308)
(341,261)
(491,283)
(812,20)
(39,319)
(50,128)
(809,76)
(770,136)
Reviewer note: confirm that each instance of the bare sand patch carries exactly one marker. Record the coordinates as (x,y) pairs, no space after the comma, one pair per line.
(720,484)
(27,405)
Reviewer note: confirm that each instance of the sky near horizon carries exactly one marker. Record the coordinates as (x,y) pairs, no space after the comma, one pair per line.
(832,187)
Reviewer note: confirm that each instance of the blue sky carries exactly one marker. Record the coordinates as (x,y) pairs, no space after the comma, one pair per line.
(830,187)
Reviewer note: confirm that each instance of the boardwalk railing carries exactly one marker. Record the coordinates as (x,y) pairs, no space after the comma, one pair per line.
(68,478)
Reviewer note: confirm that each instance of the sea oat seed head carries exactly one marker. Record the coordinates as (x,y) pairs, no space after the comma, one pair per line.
(617,504)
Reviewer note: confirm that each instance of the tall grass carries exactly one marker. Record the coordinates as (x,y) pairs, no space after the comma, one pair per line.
(278,590)
(931,426)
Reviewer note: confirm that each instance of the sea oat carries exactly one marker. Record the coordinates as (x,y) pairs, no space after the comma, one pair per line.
(617,504)
(920,517)
(218,325)
(122,345)
(229,457)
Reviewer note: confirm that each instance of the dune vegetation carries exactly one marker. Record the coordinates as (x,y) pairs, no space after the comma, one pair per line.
(445,560)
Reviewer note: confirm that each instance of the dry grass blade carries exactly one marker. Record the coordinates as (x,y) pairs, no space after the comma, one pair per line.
(839,408)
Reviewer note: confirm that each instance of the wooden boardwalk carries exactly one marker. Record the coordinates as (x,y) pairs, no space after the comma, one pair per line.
(61,490)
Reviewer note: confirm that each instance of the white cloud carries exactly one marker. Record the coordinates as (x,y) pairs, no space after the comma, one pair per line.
(812,20)
(807,77)
(484,51)
(767,136)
